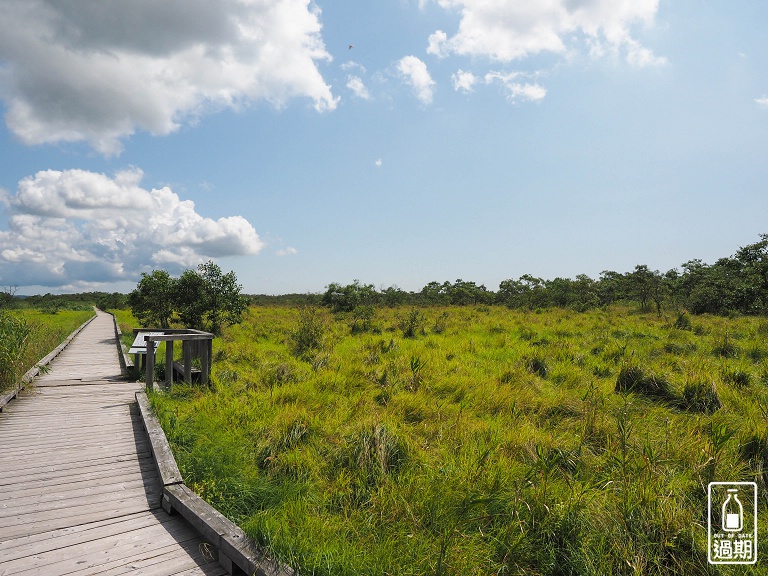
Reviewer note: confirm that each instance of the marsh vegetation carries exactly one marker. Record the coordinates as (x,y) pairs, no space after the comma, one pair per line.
(477,439)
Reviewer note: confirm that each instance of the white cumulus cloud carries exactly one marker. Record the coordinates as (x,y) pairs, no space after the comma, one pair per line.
(415,74)
(99,71)
(507,30)
(438,44)
(464,81)
(79,228)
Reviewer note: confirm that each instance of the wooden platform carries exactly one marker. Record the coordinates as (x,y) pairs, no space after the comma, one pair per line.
(79,493)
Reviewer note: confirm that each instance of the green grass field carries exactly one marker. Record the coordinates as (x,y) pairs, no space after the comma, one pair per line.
(478,440)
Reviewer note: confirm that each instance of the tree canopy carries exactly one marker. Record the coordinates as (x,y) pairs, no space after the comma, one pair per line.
(203,299)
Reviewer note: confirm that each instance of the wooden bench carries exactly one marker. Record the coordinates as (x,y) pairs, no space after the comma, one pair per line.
(178,373)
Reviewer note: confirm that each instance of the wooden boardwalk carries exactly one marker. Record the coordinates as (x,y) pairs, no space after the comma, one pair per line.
(79,492)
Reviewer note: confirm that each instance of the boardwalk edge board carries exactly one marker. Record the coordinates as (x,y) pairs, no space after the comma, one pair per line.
(236,549)
(33,372)
(161,451)
(126,364)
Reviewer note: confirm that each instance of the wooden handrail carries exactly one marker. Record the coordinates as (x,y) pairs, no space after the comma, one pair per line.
(169,336)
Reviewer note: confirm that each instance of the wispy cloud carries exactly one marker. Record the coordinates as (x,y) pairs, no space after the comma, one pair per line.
(762,102)
(506,30)
(113,68)
(514,89)
(415,73)
(288,251)
(356,85)
(76,226)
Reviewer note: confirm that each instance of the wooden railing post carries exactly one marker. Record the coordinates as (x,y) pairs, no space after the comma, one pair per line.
(187,347)
(205,362)
(150,363)
(168,364)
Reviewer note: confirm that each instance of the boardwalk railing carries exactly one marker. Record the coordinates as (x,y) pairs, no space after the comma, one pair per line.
(195,344)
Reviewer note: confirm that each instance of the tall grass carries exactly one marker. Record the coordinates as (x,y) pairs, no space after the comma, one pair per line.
(27,336)
(504,442)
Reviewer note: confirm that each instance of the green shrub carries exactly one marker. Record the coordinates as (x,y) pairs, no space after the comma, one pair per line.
(413,324)
(737,376)
(683,322)
(440,323)
(308,335)
(631,378)
(726,348)
(362,319)
(700,396)
(538,366)
(373,453)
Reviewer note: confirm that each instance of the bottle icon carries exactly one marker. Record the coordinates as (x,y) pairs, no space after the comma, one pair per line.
(733,513)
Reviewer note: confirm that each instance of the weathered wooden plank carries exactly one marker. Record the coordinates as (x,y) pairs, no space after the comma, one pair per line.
(102,474)
(70,517)
(50,468)
(118,550)
(55,406)
(172,564)
(69,537)
(20,546)
(160,562)
(53,508)
(43,499)
(37,444)
(63,462)
(34,448)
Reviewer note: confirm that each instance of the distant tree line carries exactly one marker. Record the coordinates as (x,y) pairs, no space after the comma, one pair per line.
(736,284)
(53,303)
(206,298)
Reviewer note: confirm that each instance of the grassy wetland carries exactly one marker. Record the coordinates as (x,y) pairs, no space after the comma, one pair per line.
(477,440)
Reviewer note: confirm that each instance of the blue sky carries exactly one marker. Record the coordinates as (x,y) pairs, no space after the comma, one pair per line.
(472,139)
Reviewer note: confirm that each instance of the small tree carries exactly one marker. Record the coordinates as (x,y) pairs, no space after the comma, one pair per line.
(202,298)
(190,299)
(346,298)
(222,300)
(641,283)
(152,301)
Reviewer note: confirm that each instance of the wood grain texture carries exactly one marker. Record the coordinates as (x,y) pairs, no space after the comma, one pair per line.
(79,491)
